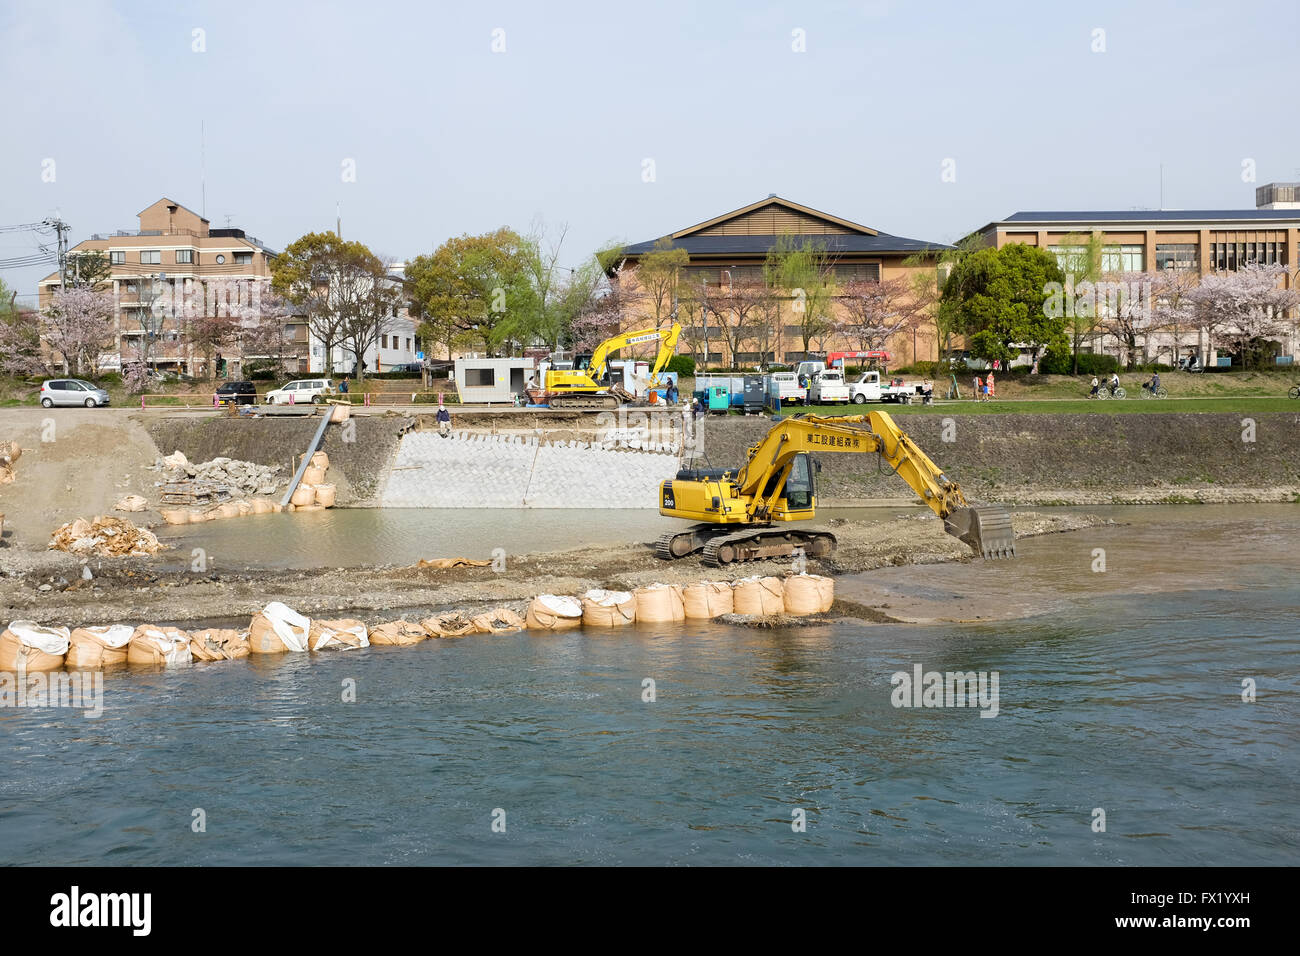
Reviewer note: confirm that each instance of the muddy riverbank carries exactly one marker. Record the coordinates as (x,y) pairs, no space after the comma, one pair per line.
(53,588)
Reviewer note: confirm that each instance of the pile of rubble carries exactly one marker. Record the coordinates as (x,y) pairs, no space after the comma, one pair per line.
(105,537)
(10,452)
(238,477)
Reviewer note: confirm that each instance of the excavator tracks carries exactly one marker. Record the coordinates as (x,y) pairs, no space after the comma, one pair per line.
(755,545)
(604,402)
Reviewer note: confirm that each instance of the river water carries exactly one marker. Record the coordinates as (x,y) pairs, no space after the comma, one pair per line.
(1120,692)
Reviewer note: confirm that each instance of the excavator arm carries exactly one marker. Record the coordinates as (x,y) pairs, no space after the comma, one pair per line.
(767,491)
(987,530)
(666,337)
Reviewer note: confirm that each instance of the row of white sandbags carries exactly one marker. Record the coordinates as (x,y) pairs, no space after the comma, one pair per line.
(276,629)
(665,603)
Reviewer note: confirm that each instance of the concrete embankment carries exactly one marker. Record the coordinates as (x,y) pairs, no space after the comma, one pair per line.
(1067,459)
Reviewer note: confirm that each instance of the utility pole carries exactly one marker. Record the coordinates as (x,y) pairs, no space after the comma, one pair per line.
(61,230)
(704,315)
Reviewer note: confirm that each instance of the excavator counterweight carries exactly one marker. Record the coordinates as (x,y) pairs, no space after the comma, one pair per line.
(742,512)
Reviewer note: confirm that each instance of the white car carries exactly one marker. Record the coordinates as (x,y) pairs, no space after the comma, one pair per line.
(785,385)
(302,391)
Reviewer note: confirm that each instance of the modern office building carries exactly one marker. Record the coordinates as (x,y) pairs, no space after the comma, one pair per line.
(1199,240)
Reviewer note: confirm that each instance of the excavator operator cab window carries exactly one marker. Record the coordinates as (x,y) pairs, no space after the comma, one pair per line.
(799,486)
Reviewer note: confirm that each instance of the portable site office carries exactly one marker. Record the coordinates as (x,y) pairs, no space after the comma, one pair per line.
(488,380)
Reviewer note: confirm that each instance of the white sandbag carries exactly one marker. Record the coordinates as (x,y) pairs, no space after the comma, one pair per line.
(278,628)
(759,596)
(325,495)
(28,646)
(707,599)
(808,594)
(659,604)
(303,495)
(344,634)
(159,645)
(263,506)
(397,634)
(219,644)
(601,608)
(553,612)
(131,503)
(313,476)
(320,460)
(95,647)
(176,516)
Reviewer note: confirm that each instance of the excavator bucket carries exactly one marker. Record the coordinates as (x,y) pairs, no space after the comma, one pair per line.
(986,529)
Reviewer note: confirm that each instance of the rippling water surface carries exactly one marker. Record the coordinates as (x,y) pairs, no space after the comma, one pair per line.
(1128,701)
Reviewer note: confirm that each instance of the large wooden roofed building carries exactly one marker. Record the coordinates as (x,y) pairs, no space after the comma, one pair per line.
(732,249)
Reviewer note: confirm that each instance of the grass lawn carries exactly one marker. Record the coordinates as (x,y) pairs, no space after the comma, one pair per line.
(1244,404)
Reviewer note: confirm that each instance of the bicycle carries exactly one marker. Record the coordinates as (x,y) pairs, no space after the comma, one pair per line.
(1160,392)
(1295,392)
(1108,391)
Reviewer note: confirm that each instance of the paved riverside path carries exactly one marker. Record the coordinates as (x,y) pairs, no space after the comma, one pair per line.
(468,470)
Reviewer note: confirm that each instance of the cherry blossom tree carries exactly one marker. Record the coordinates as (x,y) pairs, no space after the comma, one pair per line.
(78,325)
(1241,309)
(872,313)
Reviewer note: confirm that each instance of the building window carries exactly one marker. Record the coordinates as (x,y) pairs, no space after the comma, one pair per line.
(184,256)
(243,258)
(150,257)
(1178,256)
(480,377)
(1121,258)
(858,272)
(117,258)
(408,345)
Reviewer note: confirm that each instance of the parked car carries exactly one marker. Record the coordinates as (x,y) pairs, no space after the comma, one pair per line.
(409,368)
(72,391)
(236,393)
(299,392)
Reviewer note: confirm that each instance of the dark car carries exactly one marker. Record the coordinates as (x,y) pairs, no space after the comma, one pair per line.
(236,393)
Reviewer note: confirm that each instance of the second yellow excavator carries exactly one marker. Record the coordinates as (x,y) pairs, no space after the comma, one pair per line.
(741,510)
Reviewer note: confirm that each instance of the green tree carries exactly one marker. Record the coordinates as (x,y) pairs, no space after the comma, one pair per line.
(997,299)
(474,289)
(1081,260)
(659,274)
(331,281)
(89,268)
(805,271)
(932,269)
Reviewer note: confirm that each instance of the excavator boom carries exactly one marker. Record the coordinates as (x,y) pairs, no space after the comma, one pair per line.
(583,388)
(776,484)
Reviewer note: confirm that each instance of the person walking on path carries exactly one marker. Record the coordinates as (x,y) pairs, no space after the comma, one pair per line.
(979,389)
(444,420)
(991,386)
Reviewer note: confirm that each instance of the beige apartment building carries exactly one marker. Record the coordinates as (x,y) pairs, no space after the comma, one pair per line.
(176,252)
(1202,241)
(733,247)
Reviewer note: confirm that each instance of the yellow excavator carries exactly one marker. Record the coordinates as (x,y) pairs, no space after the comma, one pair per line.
(741,510)
(589,387)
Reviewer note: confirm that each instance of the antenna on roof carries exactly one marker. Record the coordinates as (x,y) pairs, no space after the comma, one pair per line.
(229,216)
(203,172)
(1162,185)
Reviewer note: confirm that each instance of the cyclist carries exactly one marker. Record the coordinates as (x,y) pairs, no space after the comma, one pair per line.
(1114,382)
(1153,386)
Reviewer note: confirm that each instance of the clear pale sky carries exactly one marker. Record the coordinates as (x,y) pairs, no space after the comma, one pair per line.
(450,137)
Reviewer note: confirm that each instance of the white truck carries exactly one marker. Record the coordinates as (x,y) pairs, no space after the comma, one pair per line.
(869,388)
(828,388)
(786,387)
